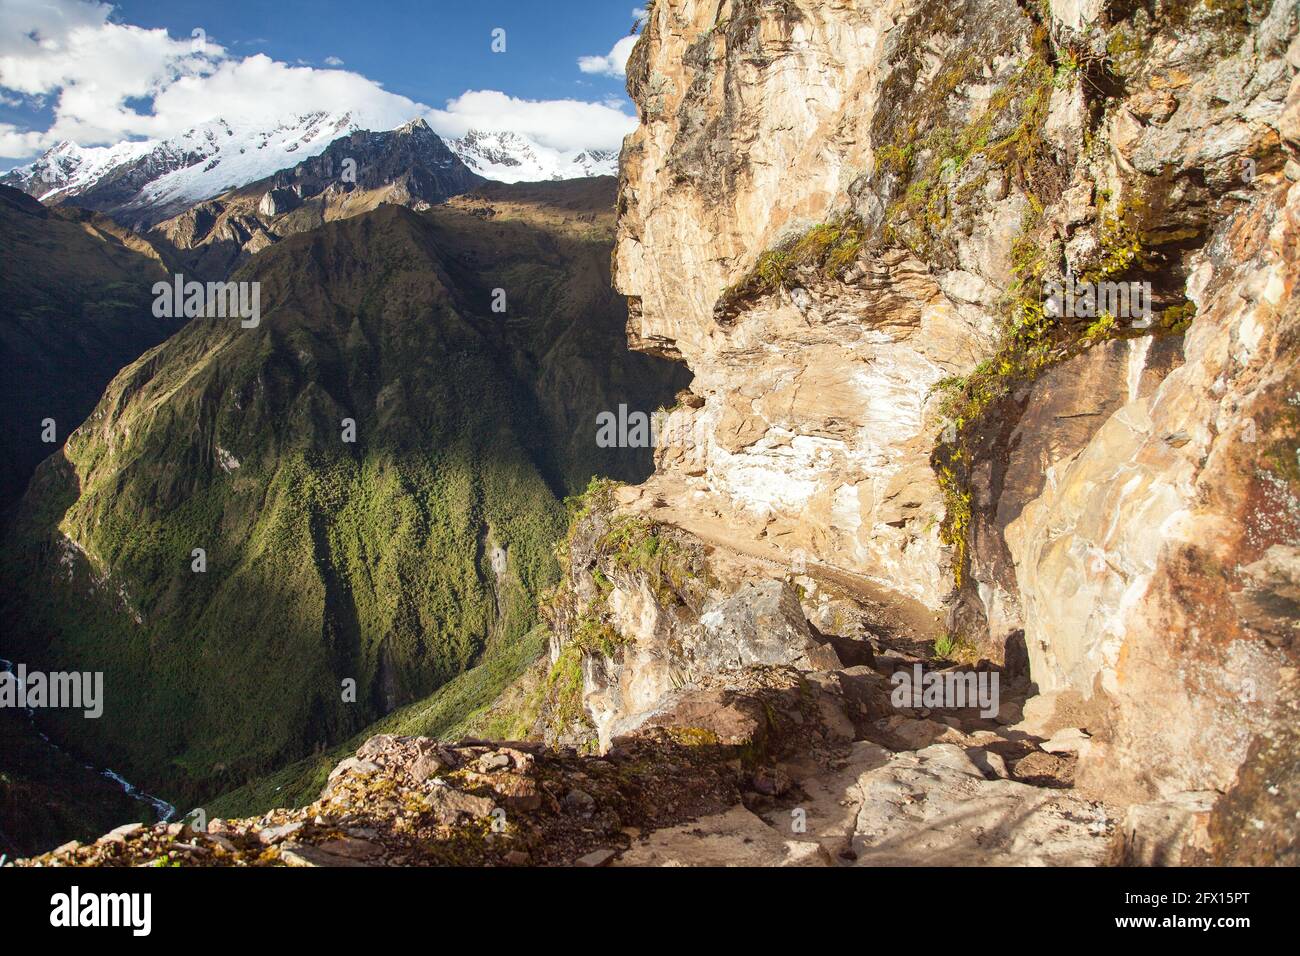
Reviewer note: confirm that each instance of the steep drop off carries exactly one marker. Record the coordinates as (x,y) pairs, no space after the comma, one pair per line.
(397,560)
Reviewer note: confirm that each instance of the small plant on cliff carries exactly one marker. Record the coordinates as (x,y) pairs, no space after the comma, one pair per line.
(1122,248)
(597,496)
(827,249)
(1177,318)
(564,691)
(1104,327)
(634,543)
(595,635)
(955,527)
(951,647)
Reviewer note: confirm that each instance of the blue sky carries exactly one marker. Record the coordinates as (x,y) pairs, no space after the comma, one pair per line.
(428,50)
(97,73)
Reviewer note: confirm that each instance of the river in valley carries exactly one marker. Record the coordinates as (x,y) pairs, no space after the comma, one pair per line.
(164,810)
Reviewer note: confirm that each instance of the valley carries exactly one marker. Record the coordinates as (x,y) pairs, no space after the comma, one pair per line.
(326,560)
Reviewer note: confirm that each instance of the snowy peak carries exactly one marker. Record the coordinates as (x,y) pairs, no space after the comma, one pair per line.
(597,162)
(144,182)
(66,168)
(415,127)
(413,155)
(408,166)
(511,157)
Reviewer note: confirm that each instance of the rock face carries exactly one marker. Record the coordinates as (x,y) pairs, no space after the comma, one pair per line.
(814,428)
(845,219)
(1179,511)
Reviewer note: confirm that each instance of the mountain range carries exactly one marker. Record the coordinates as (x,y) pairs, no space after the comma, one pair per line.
(396,561)
(409,166)
(512,157)
(142,183)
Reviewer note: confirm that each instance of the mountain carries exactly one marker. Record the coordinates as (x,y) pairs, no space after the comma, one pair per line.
(75,307)
(77,302)
(409,166)
(141,183)
(398,560)
(512,157)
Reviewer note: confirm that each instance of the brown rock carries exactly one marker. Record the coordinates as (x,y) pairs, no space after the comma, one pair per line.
(595,858)
(276,834)
(517,792)
(341,852)
(449,806)
(1044,770)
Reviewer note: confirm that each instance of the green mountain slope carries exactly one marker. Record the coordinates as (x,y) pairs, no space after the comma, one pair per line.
(74,309)
(396,561)
(452,712)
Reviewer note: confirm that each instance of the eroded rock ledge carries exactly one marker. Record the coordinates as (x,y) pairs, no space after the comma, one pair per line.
(761,773)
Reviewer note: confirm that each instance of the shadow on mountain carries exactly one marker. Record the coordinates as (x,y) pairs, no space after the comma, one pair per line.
(396,560)
(75,308)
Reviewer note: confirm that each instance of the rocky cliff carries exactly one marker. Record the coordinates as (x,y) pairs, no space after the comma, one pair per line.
(852,221)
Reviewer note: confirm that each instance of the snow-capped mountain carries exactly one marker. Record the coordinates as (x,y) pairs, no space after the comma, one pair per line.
(144,182)
(409,166)
(512,157)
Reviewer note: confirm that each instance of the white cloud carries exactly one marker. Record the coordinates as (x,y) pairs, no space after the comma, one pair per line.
(558,124)
(612,64)
(109,82)
(69,48)
(258,89)
(17,143)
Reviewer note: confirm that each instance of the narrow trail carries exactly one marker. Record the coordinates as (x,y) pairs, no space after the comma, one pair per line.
(902,617)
